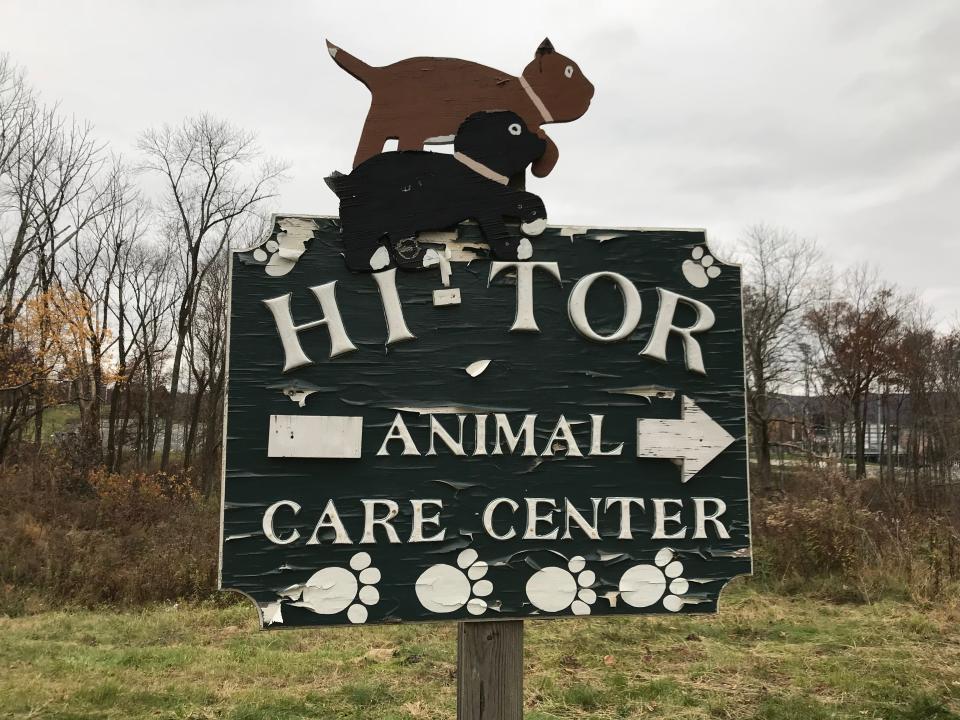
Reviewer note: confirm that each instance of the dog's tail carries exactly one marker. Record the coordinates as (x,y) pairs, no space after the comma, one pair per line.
(355,66)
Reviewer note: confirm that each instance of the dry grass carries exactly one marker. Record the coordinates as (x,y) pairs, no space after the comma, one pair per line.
(849,540)
(98,537)
(763,657)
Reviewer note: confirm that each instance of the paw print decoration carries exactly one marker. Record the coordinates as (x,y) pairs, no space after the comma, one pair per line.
(645,585)
(446,589)
(699,270)
(334,589)
(552,589)
(281,254)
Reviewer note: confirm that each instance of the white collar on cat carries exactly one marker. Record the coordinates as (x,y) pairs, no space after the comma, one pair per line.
(535,99)
(480,168)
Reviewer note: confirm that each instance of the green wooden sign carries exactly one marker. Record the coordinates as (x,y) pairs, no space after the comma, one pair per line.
(482,439)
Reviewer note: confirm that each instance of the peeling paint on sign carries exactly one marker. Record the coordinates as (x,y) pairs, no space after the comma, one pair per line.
(562,436)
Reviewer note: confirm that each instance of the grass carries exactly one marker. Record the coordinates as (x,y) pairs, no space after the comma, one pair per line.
(58,419)
(764,656)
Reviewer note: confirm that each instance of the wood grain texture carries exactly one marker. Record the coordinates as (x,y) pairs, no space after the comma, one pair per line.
(490,670)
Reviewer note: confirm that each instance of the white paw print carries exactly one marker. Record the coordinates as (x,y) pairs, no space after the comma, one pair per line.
(552,589)
(334,589)
(282,253)
(700,270)
(446,589)
(644,585)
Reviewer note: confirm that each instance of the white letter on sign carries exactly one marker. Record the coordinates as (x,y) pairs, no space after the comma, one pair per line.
(268,528)
(663,326)
(533,519)
(330,518)
(397,329)
(293,354)
(503,429)
(398,431)
(370,520)
(577,307)
(524,319)
(660,520)
(488,517)
(419,520)
(702,518)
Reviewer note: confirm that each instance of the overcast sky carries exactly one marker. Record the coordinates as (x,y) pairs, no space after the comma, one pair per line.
(837,119)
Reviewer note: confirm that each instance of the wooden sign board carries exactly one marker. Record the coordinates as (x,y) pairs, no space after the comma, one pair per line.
(484,439)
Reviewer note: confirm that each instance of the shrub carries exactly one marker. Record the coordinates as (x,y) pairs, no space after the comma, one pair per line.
(112,538)
(93,537)
(852,540)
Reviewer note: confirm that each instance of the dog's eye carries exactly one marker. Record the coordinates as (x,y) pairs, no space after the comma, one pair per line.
(515,129)
(568,71)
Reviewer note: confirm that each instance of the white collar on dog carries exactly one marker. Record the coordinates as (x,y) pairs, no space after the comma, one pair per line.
(535,99)
(480,168)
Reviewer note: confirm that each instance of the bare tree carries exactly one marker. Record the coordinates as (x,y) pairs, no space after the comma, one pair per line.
(782,279)
(125,232)
(16,100)
(153,293)
(49,192)
(208,365)
(90,271)
(858,333)
(214,178)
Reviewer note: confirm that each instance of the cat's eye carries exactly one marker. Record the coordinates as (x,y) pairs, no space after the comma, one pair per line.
(568,71)
(515,129)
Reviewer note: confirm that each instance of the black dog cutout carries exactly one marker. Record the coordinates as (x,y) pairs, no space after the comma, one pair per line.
(391,197)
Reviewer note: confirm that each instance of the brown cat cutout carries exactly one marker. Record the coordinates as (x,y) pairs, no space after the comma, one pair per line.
(423,100)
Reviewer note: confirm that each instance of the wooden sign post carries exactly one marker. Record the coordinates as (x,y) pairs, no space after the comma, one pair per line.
(490,670)
(442,408)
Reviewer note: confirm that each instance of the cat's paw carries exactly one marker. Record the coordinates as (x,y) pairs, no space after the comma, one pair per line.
(645,585)
(380,259)
(552,589)
(699,270)
(524,249)
(446,589)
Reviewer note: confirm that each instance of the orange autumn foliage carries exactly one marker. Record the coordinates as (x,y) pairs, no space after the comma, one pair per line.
(54,337)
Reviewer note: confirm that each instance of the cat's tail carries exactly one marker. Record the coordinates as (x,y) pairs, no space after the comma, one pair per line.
(355,66)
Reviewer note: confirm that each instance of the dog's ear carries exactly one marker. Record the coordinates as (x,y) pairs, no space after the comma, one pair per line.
(545,47)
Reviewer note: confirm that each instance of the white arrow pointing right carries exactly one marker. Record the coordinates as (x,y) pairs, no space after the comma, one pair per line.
(693,440)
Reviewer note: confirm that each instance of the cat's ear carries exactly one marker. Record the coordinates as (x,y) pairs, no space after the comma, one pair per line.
(545,47)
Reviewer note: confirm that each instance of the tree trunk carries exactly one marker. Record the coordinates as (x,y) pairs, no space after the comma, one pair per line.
(147,455)
(188,445)
(843,441)
(118,386)
(213,434)
(882,429)
(171,413)
(860,430)
(38,422)
(112,423)
(764,465)
(761,432)
(124,426)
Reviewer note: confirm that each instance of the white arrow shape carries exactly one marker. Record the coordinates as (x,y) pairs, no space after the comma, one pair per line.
(692,441)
